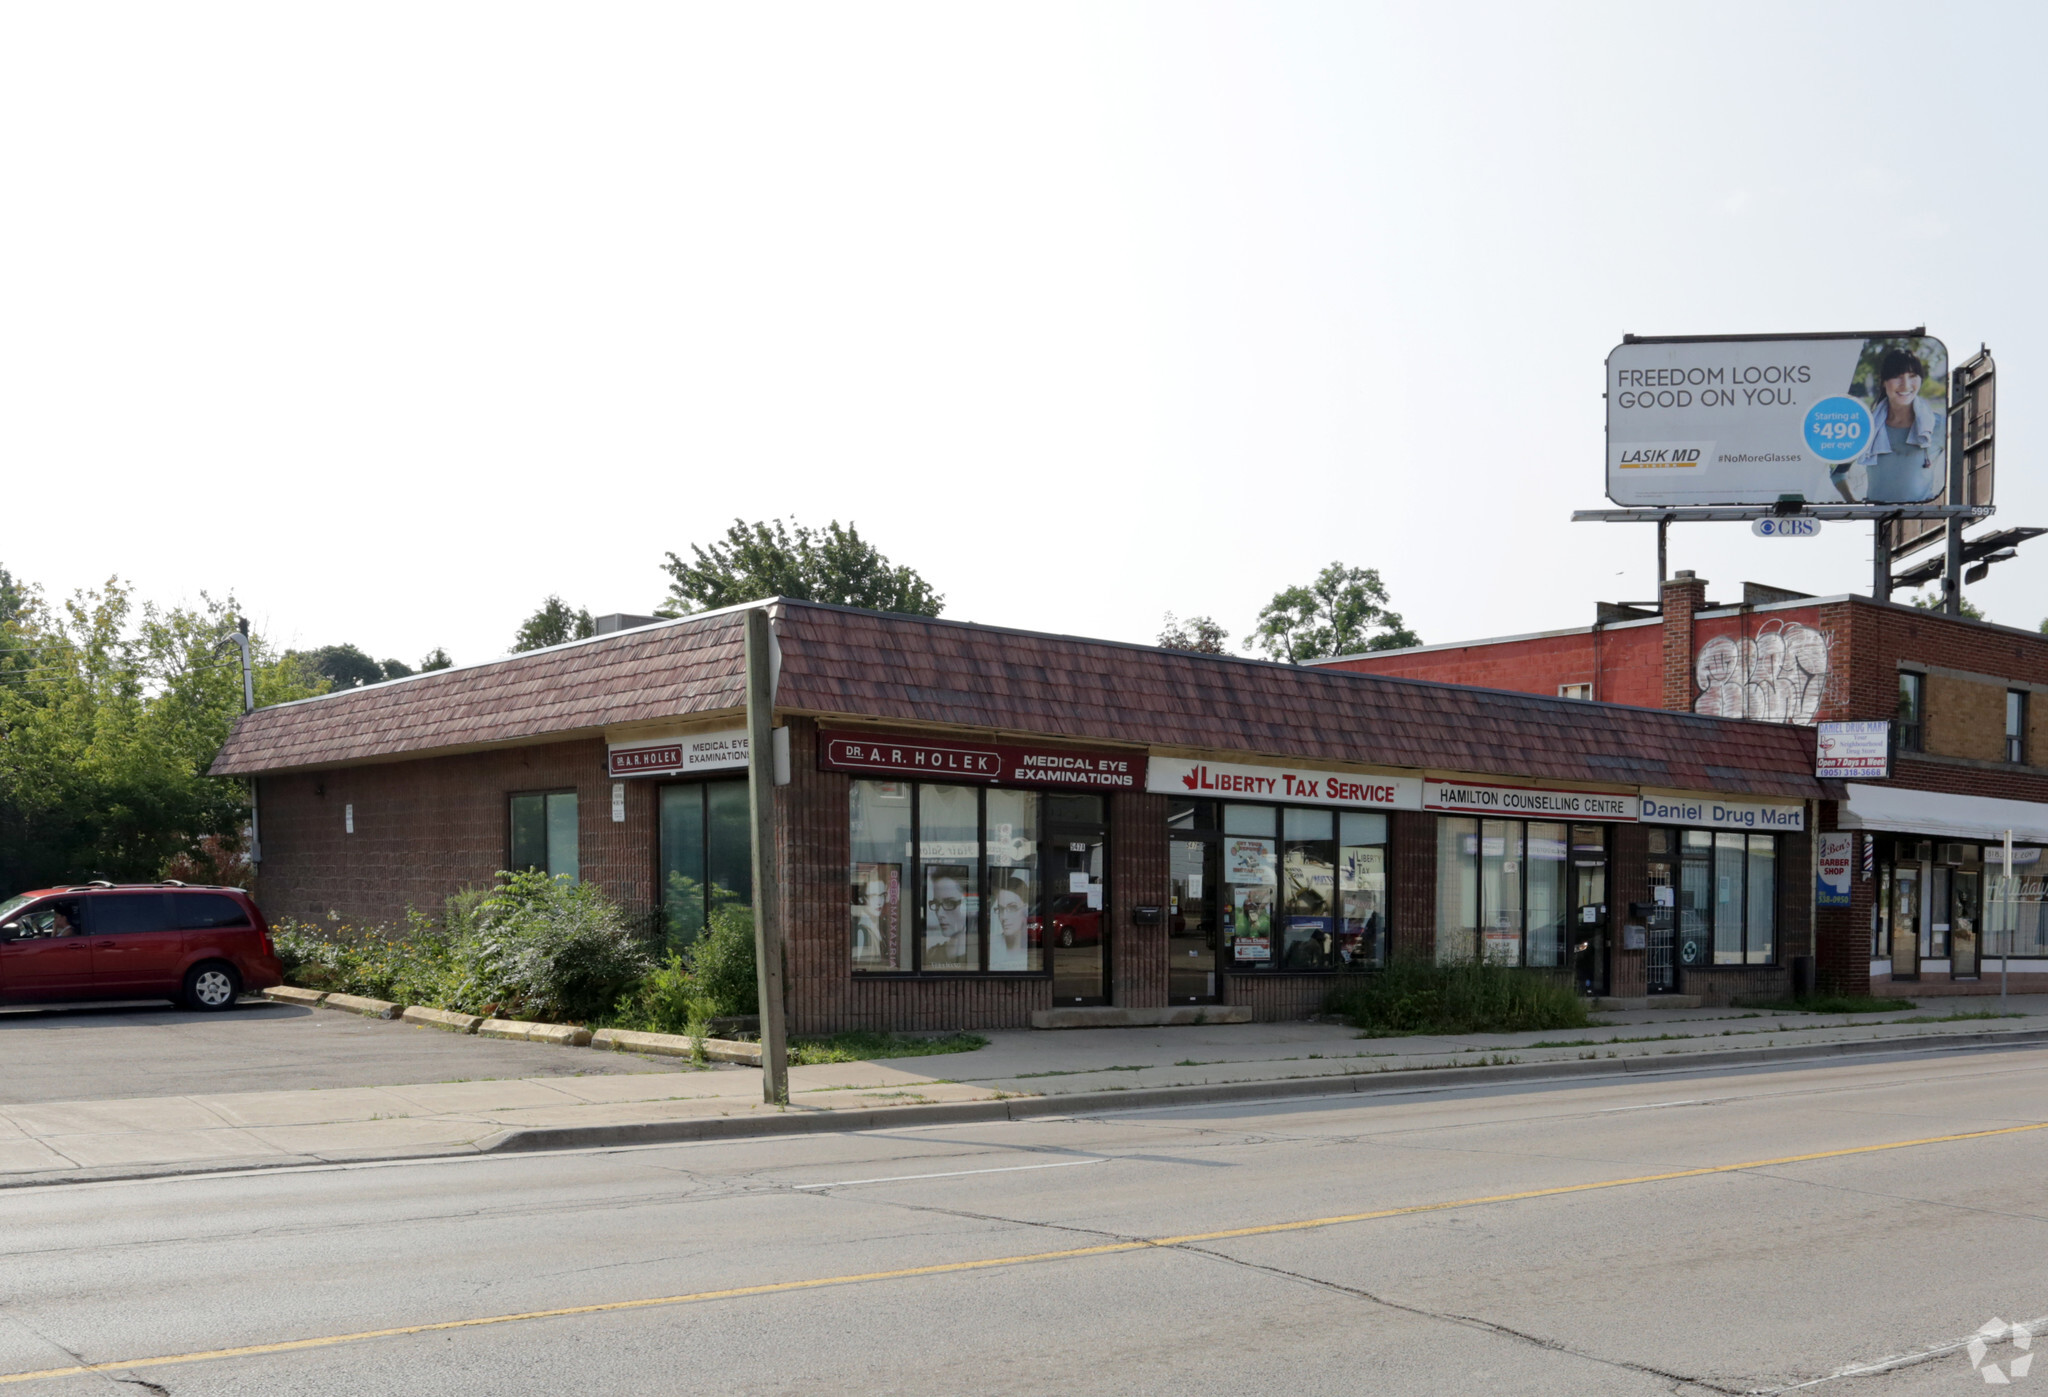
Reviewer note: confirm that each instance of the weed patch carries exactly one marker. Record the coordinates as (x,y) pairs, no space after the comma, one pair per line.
(1828,1004)
(866,1047)
(1418,996)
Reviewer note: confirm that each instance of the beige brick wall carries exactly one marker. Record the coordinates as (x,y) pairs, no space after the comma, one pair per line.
(2037,729)
(1965,718)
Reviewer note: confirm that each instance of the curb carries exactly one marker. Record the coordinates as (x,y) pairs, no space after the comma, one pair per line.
(520,1030)
(623,1040)
(442,1018)
(798,1121)
(357,1004)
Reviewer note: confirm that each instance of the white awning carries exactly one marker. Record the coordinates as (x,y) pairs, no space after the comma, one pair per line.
(1942,816)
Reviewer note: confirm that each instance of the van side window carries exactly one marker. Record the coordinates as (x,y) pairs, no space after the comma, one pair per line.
(204,911)
(113,914)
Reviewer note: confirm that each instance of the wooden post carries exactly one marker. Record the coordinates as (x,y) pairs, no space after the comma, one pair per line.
(767,882)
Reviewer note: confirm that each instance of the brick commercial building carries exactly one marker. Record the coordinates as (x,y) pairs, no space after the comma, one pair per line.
(1968,705)
(977,826)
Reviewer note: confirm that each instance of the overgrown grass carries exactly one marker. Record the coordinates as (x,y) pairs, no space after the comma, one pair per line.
(865,1047)
(1828,1004)
(1419,996)
(1960,1015)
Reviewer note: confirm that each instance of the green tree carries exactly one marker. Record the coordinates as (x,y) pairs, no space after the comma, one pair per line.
(107,729)
(553,624)
(759,560)
(1342,612)
(1198,634)
(1931,601)
(436,659)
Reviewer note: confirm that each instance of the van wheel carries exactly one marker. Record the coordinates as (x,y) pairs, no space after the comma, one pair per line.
(211,986)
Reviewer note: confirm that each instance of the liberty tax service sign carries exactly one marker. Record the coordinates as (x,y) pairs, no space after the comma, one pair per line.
(1181,776)
(1840,419)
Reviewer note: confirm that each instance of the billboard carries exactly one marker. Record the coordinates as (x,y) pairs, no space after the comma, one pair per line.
(1857,419)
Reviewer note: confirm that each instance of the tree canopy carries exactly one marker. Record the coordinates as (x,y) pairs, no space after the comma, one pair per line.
(1342,612)
(110,714)
(556,621)
(769,559)
(1198,634)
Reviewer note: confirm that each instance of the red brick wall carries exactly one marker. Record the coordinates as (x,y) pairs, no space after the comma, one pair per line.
(1139,877)
(425,829)
(1619,663)
(1681,597)
(1627,881)
(1411,874)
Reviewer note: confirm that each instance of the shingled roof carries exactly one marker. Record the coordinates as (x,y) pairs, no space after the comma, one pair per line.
(843,662)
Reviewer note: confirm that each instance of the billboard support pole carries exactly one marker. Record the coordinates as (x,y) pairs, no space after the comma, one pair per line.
(1881,560)
(1663,549)
(1952,571)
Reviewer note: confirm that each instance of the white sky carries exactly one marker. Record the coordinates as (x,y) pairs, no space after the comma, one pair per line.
(392,319)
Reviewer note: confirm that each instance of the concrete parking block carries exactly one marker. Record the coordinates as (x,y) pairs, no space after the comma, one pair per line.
(520,1030)
(292,994)
(442,1018)
(676,1045)
(357,1004)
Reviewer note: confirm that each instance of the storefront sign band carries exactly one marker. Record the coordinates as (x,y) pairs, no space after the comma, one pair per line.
(1182,776)
(994,763)
(1539,802)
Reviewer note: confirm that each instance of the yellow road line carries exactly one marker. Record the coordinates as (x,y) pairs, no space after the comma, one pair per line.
(952,1267)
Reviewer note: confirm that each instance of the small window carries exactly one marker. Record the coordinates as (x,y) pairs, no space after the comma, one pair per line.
(1912,711)
(1575,691)
(2016,726)
(544,833)
(205,911)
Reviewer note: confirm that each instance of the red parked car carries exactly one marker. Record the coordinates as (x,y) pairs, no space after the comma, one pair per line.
(198,946)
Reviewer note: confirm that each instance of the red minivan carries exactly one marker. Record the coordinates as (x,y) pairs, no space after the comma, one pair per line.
(199,946)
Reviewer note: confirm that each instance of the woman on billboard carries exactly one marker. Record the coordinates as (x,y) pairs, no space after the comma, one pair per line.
(1903,463)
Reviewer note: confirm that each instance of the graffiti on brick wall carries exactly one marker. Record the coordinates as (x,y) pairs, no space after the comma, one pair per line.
(1779,674)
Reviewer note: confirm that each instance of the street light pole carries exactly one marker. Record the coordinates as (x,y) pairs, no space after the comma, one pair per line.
(767,887)
(2011,921)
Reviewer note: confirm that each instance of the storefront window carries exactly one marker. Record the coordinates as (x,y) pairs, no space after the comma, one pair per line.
(1251,878)
(1549,894)
(707,853)
(1361,890)
(2016,914)
(1513,890)
(1457,888)
(882,849)
(972,856)
(544,833)
(1309,930)
(1727,899)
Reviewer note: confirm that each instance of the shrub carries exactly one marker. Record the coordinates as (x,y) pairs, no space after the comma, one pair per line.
(1419,996)
(540,947)
(667,1000)
(722,961)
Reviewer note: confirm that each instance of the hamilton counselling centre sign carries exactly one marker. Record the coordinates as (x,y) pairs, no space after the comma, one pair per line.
(1857,419)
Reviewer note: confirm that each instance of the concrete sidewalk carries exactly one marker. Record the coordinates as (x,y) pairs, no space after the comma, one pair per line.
(572,1096)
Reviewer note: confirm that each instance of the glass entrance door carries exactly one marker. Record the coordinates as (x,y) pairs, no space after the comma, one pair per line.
(1660,962)
(1076,854)
(1964,919)
(1191,923)
(1906,922)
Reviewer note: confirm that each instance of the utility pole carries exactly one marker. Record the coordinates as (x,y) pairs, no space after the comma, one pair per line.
(239,638)
(767,886)
(1952,571)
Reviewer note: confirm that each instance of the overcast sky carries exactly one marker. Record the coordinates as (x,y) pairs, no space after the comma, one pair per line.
(392,319)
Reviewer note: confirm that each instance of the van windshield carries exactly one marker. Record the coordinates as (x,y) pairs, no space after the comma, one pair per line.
(15,904)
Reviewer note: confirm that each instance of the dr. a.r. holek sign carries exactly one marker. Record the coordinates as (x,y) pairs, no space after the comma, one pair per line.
(1834,419)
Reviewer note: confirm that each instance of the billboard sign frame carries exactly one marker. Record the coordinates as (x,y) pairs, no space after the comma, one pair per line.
(1753,421)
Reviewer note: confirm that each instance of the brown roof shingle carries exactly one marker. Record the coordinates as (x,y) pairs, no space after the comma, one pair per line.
(841,661)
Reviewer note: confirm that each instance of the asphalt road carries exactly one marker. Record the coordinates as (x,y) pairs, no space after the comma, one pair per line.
(1616,1238)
